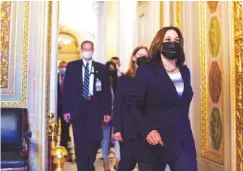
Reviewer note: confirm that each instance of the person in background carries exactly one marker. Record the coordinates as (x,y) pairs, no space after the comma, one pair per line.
(163,97)
(65,137)
(86,104)
(116,60)
(105,143)
(124,117)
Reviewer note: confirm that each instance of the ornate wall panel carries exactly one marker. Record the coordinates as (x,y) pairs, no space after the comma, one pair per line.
(238,83)
(213,59)
(14,53)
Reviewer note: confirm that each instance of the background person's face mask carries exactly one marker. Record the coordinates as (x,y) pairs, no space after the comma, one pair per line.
(87,54)
(171,50)
(62,71)
(142,60)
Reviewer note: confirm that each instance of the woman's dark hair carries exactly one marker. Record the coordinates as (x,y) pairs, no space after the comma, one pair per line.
(112,74)
(107,65)
(157,42)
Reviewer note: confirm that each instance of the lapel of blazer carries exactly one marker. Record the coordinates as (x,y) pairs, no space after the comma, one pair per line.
(95,72)
(168,83)
(80,71)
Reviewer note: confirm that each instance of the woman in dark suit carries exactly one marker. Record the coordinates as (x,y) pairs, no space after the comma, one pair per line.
(123,116)
(163,96)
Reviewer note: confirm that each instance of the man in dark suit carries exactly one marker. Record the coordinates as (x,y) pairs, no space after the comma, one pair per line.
(86,104)
(64,125)
(116,60)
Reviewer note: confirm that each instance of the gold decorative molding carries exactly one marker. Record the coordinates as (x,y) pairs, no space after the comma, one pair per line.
(238,82)
(178,14)
(5,39)
(48,60)
(204,116)
(161,4)
(142,2)
(71,47)
(59,154)
(23,101)
(141,15)
(49,147)
(206,152)
(7,74)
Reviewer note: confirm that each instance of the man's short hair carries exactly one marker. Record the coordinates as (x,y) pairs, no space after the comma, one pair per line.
(87,41)
(115,58)
(62,62)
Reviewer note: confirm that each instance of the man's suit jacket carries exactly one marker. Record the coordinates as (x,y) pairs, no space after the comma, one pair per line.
(163,110)
(86,114)
(59,97)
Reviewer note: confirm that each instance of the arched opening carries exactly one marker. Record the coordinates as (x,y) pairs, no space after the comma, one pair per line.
(68,48)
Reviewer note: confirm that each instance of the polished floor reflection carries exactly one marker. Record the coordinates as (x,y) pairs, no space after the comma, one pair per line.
(98,163)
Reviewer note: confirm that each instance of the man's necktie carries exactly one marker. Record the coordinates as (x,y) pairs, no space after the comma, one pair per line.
(86,82)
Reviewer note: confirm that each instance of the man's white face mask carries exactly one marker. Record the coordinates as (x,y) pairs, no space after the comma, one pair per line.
(87,54)
(119,70)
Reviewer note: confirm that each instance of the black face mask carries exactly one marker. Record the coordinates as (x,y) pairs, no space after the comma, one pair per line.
(171,50)
(142,60)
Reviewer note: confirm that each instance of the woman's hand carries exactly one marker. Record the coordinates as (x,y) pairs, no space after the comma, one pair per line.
(154,138)
(118,136)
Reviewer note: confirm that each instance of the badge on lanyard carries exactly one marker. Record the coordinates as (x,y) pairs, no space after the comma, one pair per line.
(98,85)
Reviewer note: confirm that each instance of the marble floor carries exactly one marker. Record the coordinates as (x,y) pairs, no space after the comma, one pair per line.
(98,163)
(98,166)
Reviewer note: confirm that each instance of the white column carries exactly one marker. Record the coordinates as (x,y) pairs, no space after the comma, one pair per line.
(156,16)
(167,13)
(37,85)
(32,84)
(127,31)
(99,54)
(37,80)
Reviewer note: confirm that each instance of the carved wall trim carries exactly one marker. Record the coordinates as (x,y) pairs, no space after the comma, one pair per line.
(238,82)
(178,14)
(161,6)
(21,99)
(6,79)
(203,78)
(48,60)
